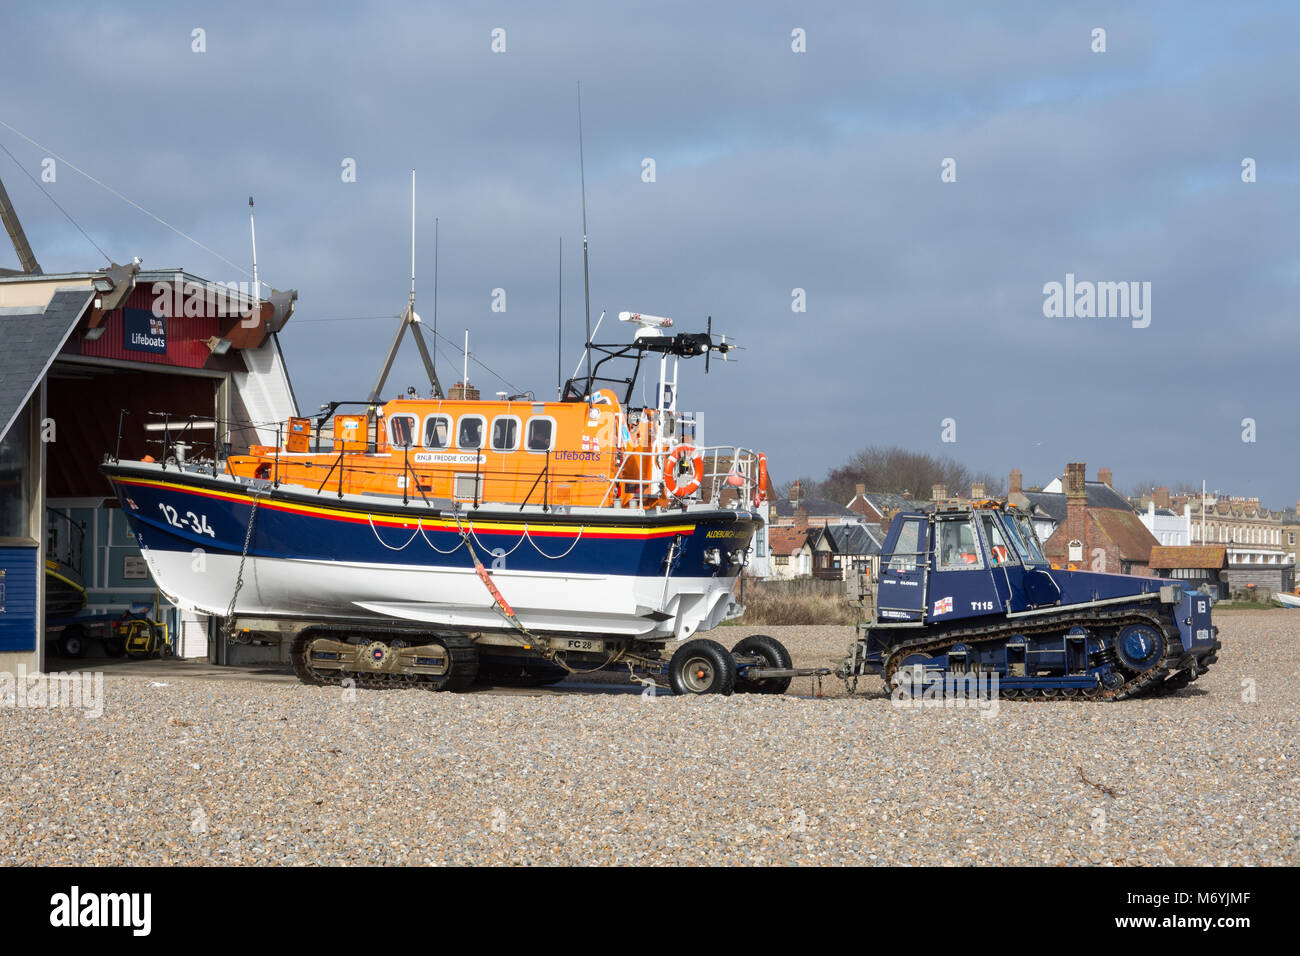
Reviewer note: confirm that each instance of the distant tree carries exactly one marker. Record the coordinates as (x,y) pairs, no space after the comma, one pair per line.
(893,469)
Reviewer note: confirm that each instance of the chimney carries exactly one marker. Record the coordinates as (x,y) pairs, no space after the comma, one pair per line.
(463,391)
(1076,514)
(1161,497)
(938,492)
(1103,475)
(1075,485)
(800,519)
(796,493)
(977,491)
(861,489)
(1014,486)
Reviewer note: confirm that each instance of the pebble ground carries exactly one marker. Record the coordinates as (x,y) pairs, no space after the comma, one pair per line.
(243,772)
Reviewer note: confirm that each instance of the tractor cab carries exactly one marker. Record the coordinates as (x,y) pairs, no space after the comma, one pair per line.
(983,558)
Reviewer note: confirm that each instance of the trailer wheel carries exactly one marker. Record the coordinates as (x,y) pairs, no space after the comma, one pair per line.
(702,667)
(115,646)
(72,642)
(773,654)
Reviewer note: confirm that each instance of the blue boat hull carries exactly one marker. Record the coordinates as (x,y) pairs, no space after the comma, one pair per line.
(657,576)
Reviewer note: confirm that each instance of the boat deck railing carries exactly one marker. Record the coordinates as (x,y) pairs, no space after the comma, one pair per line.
(727,475)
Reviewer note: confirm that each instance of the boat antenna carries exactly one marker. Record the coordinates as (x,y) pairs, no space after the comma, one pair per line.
(435,289)
(412,302)
(252,228)
(559,331)
(409,319)
(586,275)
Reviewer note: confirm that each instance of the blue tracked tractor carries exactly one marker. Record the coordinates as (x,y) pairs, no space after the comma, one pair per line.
(966,593)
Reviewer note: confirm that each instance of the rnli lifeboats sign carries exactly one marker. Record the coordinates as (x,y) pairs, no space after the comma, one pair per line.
(142,331)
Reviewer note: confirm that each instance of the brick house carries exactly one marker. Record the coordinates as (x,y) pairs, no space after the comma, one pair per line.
(1099,538)
(878,508)
(798,511)
(791,556)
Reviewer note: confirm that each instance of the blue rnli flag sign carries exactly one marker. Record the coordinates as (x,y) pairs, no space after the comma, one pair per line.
(142,331)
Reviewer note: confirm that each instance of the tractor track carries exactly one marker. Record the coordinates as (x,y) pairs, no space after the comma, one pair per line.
(1138,684)
(462,654)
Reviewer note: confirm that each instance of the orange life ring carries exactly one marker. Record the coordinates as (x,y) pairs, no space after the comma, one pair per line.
(760,493)
(670,471)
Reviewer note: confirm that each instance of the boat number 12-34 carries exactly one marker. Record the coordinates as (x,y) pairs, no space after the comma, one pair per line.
(196,523)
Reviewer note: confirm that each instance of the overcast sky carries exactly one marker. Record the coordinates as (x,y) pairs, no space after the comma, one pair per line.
(775,170)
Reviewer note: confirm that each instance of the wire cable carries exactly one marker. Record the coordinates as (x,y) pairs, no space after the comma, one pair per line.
(38,185)
(461,349)
(129,201)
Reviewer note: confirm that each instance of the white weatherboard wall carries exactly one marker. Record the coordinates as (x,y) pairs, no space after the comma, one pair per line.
(191,639)
(264,390)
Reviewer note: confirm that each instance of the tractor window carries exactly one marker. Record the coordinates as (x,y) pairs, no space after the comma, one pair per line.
(907,546)
(1016,529)
(437,431)
(957,548)
(1033,552)
(1000,553)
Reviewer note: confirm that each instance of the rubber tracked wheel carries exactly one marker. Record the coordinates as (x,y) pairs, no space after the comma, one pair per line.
(773,654)
(462,654)
(702,667)
(301,667)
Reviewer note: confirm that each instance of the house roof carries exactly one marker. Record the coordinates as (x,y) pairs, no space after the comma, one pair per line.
(785,541)
(1167,557)
(814,507)
(1127,532)
(29,341)
(1122,528)
(849,539)
(1100,495)
(884,502)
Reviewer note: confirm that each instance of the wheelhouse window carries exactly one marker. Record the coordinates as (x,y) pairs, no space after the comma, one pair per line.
(470,433)
(505,433)
(437,431)
(401,431)
(541,434)
(957,548)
